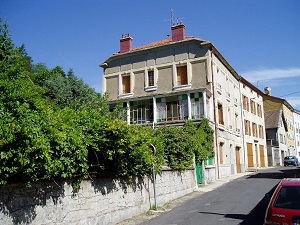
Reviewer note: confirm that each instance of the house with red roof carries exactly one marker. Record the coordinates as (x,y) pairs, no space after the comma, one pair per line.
(183,77)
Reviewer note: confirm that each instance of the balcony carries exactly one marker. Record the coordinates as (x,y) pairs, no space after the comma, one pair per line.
(172,112)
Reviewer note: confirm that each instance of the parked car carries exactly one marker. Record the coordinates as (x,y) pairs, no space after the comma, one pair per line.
(290,160)
(284,206)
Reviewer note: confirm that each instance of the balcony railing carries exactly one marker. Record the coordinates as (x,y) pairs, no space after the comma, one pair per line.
(171,112)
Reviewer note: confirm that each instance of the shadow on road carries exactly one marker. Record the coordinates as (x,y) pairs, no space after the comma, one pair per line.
(287,172)
(257,214)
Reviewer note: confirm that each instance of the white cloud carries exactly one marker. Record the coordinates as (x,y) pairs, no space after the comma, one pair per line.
(270,74)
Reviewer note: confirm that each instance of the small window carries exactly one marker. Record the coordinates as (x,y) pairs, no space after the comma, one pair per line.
(150,78)
(182,75)
(247,127)
(245,103)
(254,130)
(125,84)
(253,108)
(221,152)
(220,114)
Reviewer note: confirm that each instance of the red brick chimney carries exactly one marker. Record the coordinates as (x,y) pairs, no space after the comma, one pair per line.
(125,43)
(178,32)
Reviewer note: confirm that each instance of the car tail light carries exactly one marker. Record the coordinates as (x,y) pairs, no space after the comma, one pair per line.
(270,222)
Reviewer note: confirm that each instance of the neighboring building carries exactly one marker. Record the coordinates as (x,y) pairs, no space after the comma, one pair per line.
(275,103)
(276,135)
(296,115)
(179,78)
(254,126)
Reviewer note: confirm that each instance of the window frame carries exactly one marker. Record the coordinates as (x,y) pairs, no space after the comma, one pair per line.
(126,79)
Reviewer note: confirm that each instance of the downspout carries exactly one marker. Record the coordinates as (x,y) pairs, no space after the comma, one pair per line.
(242,132)
(215,117)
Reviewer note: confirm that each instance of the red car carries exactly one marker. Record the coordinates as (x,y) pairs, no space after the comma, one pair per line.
(284,206)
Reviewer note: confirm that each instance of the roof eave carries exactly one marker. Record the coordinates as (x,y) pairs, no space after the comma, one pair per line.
(135,50)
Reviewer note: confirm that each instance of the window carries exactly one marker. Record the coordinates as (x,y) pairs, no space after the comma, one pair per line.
(247,127)
(197,106)
(229,119)
(252,105)
(245,103)
(281,138)
(288,198)
(141,112)
(220,114)
(150,78)
(182,75)
(172,108)
(254,129)
(261,131)
(259,112)
(236,123)
(221,152)
(126,84)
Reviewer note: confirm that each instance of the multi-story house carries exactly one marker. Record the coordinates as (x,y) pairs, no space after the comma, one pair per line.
(296,115)
(179,78)
(254,126)
(273,103)
(276,135)
(228,118)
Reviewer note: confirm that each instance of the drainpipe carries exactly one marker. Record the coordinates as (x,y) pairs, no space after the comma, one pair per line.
(215,117)
(242,132)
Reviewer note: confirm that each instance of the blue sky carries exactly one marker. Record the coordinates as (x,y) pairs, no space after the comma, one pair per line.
(259,38)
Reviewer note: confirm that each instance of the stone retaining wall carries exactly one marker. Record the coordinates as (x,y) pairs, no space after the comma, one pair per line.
(99,201)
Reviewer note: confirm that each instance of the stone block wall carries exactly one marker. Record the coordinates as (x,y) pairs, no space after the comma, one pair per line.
(98,201)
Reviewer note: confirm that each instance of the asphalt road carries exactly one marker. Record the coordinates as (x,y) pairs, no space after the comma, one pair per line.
(241,201)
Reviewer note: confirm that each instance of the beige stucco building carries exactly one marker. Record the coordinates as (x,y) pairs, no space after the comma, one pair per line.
(179,78)
(275,103)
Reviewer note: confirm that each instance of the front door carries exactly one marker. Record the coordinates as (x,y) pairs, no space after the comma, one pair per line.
(250,155)
(199,173)
(238,159)
(262,156)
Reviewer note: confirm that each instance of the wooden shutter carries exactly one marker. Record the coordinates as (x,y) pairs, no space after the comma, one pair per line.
(126,84)
(181,75)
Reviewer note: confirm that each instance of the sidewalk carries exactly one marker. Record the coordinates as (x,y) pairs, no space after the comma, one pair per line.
(169,206)
(217,183)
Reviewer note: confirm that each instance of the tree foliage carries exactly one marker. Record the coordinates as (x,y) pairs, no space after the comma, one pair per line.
(54,126)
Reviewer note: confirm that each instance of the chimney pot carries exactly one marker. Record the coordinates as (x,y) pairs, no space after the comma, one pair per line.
(267,91)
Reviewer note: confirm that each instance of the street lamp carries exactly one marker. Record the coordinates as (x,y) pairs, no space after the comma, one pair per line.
(152,147)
